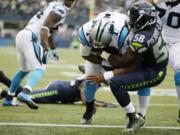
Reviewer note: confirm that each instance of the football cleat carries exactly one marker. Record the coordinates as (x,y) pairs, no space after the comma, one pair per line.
(135,123)
(25,98)
(10,103)
(143,118)
(87,117)
(90,111)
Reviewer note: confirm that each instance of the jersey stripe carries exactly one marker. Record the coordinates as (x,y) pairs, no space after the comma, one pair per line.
(83,38)
(37,49)
(102,30)
(122,36)
(98,30)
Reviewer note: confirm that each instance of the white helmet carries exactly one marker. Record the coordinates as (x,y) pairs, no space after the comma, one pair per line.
(101,33)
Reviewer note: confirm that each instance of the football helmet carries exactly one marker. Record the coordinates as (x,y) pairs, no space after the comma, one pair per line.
(141,14)
(101,33)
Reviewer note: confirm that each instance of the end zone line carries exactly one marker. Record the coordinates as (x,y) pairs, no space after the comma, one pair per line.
(80,126)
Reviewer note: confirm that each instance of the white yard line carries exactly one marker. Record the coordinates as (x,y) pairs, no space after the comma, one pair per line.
(80,126)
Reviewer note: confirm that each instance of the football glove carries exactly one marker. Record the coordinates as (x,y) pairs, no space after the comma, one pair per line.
(45,57)
(54,55)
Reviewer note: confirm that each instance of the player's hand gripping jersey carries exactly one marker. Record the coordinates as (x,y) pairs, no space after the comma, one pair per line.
(119,34)
(38,19)
(170,16)
(151,47)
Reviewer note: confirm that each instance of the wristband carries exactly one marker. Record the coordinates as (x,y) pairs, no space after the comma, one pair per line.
(105,55)
(108,75)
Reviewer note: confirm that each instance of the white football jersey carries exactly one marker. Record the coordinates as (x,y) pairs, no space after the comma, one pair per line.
(38,19)
(170,17)
(118,38)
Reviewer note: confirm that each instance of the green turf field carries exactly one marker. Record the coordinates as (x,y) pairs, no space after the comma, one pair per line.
(64,119)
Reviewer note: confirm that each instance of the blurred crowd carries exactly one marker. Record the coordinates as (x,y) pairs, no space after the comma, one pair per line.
(78,16)
(19,7)
(22,7)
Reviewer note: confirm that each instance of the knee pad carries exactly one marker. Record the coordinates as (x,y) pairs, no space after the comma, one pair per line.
(144,92)
(177,78)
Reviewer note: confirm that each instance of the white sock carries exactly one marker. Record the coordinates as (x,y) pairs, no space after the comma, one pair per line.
(178,94)
(143,102)
(129,108)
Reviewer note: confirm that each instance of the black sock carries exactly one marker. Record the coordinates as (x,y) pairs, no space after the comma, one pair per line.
(18,91)
(4,79)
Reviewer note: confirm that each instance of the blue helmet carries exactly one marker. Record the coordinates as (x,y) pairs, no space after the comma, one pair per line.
(141,14)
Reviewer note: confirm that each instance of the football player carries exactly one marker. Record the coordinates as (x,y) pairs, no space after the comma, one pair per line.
(65,92)
(108,29)
(33,44)
(108,23)
(142,65)
(169,12)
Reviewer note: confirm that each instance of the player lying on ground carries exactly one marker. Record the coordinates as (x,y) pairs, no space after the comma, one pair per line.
(57,92)
(65,92)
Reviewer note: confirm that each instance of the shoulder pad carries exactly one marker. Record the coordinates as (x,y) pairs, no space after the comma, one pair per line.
(122,36)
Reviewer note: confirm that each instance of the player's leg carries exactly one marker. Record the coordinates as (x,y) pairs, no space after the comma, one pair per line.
(33,57)
(3,93)
(123,98)
(143,100)
(20,74)
(4,79)
(53,93)
(90,90)
(174,56)
(43,96)
(133,81)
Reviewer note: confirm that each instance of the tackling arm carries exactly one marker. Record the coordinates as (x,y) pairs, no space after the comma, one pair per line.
(125,60)
(94,59)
